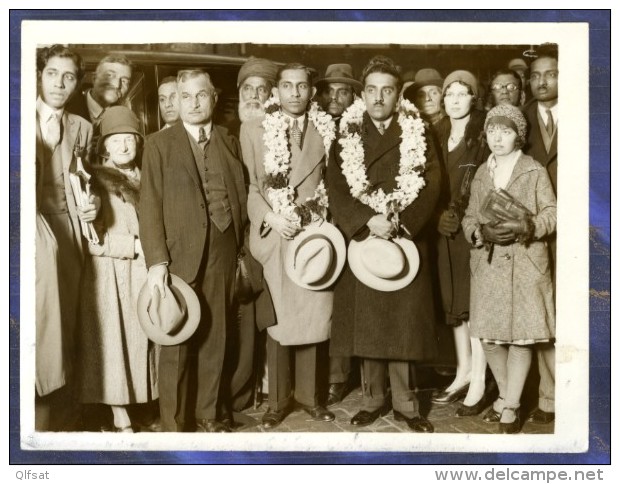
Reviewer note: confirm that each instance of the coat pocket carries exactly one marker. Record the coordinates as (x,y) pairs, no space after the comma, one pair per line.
(539,261)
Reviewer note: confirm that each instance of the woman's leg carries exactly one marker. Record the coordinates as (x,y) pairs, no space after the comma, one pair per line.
(478,373)
(121,418)
(518,366)
(463,357)
(497,356)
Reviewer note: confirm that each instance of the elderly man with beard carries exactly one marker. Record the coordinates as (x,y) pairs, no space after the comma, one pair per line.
(110,87)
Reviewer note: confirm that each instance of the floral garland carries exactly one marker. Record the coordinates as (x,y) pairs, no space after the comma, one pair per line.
(409,181)
(277,164)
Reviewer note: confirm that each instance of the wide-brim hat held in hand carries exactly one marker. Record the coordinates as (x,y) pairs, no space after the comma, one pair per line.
(172,319)
(316,256)
(384,265)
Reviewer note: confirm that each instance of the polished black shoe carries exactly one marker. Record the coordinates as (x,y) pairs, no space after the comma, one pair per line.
(363,417)
(489,395)
(511,427)
(417,424)
(336,393)
(319,413)
(541,417)
(273,418)
(491,416)
(211,426)
(444,397)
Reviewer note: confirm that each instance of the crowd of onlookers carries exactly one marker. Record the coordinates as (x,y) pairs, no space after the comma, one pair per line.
(334,224)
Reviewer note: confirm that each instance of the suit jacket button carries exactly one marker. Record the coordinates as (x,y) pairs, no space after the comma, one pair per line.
(507,256)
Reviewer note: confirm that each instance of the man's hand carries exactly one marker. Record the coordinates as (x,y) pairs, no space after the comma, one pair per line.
(448,223)
(158,278)
(282,225)
(89,212)
(496,233)
(380,226)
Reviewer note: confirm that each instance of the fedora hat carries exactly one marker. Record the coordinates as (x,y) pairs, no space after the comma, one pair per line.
(339,73)
(172,319)
(384,265)
(316,256)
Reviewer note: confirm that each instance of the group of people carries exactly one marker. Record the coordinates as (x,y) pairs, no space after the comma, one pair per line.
(352,206)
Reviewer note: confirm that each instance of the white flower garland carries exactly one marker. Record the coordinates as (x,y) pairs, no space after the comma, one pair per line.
(277,163)
(409,181)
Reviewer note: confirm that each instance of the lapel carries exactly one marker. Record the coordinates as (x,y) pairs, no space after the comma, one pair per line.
(537,144)
(40,152)
(522,167)
(183,151)
(305,160)
(70,129)
(378,144)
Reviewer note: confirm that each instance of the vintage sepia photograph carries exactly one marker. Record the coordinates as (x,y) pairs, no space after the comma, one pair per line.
(353,241)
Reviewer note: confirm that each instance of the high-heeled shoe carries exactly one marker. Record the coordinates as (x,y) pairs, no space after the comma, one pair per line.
(489,395)
(445,397)
(510,427)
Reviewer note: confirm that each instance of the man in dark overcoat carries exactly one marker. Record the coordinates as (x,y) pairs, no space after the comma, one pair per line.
(192,214)
(388,330)
(542,145)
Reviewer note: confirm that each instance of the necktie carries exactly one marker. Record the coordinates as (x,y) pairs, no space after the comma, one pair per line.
(381,128)
(202,136)
(53,131)
(296,133)
(550,125)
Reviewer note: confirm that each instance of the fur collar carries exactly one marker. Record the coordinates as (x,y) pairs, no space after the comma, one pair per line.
(113,181)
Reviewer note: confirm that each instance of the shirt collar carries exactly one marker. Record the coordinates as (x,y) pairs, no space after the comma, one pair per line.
(300,120)
(542,110)
(386,122)
(94,108)
(194,130)
(45,110)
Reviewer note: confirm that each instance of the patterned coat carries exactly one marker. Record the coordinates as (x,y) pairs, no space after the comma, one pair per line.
(395,325)
(118,363)
(303,316)
(512,296)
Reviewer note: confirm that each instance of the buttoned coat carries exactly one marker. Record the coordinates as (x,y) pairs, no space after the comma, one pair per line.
(396,325)
(55,340)
(302,316)
(512,295)
(173,210)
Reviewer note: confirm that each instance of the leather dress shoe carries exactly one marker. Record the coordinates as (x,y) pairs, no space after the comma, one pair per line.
(487,398)
(541,417)
(363,417)
(445,397)
(511,427)
(211,426)
(336,393)
(491,416)
(417,424)
(273,418)
(319,413)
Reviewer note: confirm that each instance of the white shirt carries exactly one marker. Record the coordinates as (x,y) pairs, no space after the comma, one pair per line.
(542,110)
(300,120)
(94,108)
(501,172)
(386,123)
(194,130)
(45,113)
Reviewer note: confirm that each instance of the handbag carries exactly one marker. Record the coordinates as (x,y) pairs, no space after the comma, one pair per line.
(500,205)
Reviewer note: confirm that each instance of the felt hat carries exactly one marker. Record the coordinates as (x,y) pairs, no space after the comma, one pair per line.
(258,67)
(465,77)
(424,77)
(517,64)
(172,319)
(384,265)
(316,256)
(117,119)
(339,73)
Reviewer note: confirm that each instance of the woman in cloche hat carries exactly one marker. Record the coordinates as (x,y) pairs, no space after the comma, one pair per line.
(118,363)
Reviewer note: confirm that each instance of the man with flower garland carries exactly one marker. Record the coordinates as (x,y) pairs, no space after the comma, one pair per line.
(286,154)
(383,180)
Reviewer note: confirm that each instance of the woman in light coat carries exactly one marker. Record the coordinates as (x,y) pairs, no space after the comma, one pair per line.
(512,303)
(117,361)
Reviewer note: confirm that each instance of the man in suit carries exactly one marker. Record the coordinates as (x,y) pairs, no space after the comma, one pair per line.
(60,137)
(168,101)
(111,83)
(303,316)
(388,330)
(192,214)
(542,145)
(335,93)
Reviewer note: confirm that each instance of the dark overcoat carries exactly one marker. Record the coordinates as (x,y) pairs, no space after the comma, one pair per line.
(395,325)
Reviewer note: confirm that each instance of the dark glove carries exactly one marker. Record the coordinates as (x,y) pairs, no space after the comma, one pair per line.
(448,223)
(495,233)
(523,229)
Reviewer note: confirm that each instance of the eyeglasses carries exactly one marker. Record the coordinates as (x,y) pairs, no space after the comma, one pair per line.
(510,87)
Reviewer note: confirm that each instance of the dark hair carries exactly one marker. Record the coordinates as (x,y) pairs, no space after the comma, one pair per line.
(167,80)
(507,72)
(57,50)
(546,51)
(294,66)
(381,63)
(115,59)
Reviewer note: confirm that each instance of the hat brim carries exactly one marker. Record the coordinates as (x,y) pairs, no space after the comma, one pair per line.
(121,129)
(190,324)
(330,232)
(356,85)
(411,90)
(406,277)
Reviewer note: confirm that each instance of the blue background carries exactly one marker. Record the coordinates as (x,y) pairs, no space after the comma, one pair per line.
(600,267)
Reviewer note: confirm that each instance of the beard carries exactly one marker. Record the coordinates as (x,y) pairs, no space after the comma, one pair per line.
(250,110)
